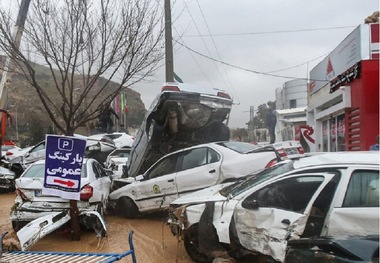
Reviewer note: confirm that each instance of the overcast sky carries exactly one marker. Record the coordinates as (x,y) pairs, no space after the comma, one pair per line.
(286,38)
(263,36)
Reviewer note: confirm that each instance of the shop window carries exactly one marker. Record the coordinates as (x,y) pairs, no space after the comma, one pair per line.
(333,134)
(325,136)
(341,133)
(333,137)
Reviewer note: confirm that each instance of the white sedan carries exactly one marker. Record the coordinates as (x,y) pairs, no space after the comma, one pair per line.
(186,171)
(30,204)
(326,195)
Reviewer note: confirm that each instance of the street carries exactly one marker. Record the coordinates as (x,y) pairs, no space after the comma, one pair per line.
(152,239)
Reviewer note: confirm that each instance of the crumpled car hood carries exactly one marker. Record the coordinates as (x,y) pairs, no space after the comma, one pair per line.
(205,195)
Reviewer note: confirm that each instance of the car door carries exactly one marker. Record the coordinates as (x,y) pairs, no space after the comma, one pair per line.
(199,168)
(157,190)
(100,182)
(357,201)
(267,218)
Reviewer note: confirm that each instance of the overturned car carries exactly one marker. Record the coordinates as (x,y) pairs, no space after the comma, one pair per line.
(318,196)
(181,116)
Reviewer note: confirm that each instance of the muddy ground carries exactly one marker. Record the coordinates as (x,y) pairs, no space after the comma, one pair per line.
(152,239)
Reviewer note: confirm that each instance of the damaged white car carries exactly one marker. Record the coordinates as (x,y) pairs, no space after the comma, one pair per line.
(189,170)
(331,194)
(31,205)
(181,116)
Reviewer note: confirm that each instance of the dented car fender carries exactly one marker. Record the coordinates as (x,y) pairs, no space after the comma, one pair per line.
(42,226)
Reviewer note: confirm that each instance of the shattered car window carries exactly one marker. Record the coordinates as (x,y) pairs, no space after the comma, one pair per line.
(290,194)
(241,186)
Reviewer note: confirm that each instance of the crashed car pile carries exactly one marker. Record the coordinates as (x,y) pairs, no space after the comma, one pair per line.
(224,199)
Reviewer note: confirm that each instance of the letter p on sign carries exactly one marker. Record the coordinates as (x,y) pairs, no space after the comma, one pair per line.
(65,144)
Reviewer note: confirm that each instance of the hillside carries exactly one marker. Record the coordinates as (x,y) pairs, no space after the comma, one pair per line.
(31,118)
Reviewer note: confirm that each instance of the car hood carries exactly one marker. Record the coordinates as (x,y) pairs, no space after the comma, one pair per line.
(202,196)
(4,172)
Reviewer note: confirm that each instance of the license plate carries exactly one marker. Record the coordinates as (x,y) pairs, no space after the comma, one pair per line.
(291,151)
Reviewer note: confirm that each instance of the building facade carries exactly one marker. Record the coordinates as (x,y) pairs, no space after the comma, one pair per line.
(343,95)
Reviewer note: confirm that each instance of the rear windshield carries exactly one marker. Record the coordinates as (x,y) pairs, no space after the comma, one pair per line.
(240,147)
(38,171)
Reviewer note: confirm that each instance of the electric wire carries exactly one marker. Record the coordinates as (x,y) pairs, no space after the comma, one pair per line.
(191,54)
(217,52)
(271,32)
(204,42)
(245,69)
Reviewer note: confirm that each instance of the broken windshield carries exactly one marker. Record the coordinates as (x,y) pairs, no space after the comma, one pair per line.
(269,173)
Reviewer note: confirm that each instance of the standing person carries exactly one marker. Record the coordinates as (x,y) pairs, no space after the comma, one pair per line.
(375,147)
(106,119)
(271,120)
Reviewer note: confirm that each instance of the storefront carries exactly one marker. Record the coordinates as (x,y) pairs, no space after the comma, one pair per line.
(343,106)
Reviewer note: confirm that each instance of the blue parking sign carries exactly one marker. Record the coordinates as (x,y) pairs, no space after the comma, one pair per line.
(63,166)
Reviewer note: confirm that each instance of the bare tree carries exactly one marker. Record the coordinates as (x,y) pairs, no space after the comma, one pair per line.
(92,49)
(86,46)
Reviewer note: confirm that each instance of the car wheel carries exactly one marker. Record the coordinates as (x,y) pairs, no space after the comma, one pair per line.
(191,245)
(127,208)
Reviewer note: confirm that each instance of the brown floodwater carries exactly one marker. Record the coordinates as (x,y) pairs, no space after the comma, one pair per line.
(152,238)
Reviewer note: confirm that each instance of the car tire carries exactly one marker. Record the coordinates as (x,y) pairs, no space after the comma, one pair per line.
(191,245)
(127,208)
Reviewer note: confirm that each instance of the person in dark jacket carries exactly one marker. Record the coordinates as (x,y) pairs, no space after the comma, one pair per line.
(106,119)
(271,121)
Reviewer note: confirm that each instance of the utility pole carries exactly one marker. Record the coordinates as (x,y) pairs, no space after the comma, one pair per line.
(17,34)
(168,43)
(252,125)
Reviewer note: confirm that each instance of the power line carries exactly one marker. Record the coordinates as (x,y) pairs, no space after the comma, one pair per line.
(296,66)
(217,51)
(245,69)
(204,42)
(271,32)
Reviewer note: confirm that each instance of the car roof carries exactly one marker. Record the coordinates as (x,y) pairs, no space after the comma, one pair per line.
(360,158)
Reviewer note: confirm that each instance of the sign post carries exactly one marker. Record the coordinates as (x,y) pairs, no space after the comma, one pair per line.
(63,168)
